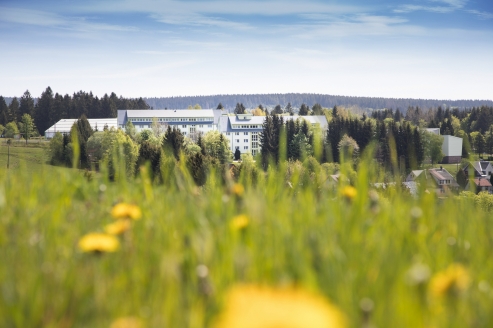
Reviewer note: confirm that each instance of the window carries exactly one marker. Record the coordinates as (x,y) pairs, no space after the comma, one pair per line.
(237,133)
(254,152)
(254,137)
(237,140)
(246,147)
(201,126)
(184,126)
(192,129)
(245,133)
(245,140)
(254,144)
(237,147)
(184,133)
(209,126)
(227,133)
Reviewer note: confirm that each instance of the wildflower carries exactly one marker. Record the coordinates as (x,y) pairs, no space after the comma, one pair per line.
(349,192)
(127,322)
(239,222)
(98,242)
(454,279)
(238,189)
(251,306)
(118,227)
(126,211)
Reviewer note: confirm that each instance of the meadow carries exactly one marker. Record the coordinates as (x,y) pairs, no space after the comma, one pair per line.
(284,248)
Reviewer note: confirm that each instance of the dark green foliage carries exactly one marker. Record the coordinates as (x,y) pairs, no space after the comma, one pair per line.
(84,132)
(220,106)
(152,154)
(26,105)
(289,109)
(334,112)
(277,110)
(14,110)
(461,178)
(239,109)
(317,109)
(4,112)
(237,155)
(173,142)
(44,111)
(197,168)
(303,110)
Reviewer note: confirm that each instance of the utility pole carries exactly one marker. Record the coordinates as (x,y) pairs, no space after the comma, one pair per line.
(8,156)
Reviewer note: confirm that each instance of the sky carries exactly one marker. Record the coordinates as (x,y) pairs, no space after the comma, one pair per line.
(436,49)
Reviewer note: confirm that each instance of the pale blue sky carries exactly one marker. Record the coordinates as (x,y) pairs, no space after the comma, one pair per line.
(441,49)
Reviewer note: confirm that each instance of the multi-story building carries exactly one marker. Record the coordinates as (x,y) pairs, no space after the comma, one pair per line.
(190,122)
(242,130)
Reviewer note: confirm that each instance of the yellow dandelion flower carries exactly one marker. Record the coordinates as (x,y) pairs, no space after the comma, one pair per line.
(239,222)
(252,306)
(127,322)
(118,227)
(349,192)
(98,242)
(238,189)
(126,211)
(454,279)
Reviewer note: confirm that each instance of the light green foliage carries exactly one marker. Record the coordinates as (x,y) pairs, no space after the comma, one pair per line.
(175,266)
(130,130)
(157,129)
(118,149)
(190,147)
(2,129)
(56,149)
(27,126)
(217,146)
(11,130)
(433,146)
(348,149)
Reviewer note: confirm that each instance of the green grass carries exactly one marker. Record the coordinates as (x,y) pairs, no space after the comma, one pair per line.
(305,236)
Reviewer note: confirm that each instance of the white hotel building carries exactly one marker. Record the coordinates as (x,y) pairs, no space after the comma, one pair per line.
(242,130)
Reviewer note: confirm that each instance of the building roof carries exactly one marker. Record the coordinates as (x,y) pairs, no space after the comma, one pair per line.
(484,165)
(150,113)
(64,125)
(482,182)
(441,174)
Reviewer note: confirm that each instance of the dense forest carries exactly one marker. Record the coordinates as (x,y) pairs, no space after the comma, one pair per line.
(50,107)
(296,99)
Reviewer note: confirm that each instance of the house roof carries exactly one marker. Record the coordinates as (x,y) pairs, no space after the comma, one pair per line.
(484,165)
(441,174)
(482,182)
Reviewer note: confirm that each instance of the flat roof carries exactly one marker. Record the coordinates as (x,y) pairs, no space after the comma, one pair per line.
(150,113)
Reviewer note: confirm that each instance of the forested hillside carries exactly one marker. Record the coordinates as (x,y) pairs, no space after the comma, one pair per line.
(296,99)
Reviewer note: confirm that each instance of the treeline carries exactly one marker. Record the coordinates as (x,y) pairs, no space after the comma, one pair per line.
(50,107)
(396,144)
(123,151)
(296,99)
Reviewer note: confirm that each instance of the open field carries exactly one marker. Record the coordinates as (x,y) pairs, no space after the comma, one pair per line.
(382,259)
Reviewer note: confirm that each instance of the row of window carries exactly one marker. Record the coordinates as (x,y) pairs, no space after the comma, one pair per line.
(193,126)
(238,126)
(172,119)
(244,147)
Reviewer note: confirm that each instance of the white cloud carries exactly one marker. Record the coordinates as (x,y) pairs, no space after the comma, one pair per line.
(481,14)
(47,19)
(450,6)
